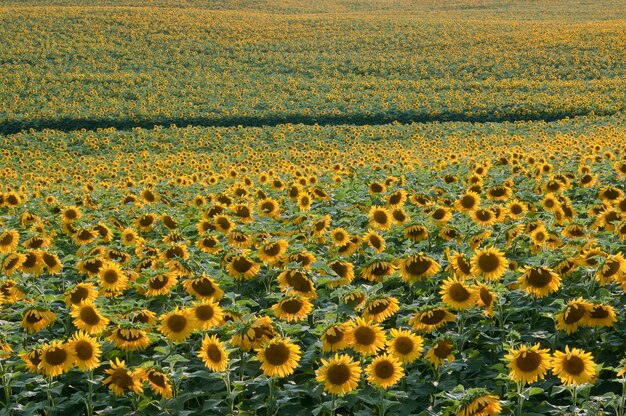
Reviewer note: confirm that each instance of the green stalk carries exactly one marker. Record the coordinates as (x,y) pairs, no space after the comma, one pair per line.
(520,398)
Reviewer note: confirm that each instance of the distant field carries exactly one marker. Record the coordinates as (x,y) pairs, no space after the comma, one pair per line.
(312,207)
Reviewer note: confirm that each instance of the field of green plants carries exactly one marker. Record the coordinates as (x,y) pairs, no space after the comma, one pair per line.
(364,207)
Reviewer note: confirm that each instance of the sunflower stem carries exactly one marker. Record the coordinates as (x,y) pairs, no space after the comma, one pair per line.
(231,399)
(332,405)
(90,393)
(270,404)
(520,398)
(50,400)
(382,402)
(620,410)
(574,390)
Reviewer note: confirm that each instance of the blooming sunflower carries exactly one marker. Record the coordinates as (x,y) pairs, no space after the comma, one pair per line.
(279,357)
(121,380)
(129,339)
(380,218)
(207,314)
(159,381)
(293,308)
(489,263)
(431,319)
(459,264)
(32,359)
(614,268)
(33,263)
(343,269)
(600,315)
(484,217)
(9,239)
(376,270)
(12,263)
(86,350)
(539,281)
(485,298)
(416,233)
(404,345)
(384,371)
(528,364)
(160,284)
(468,202)
(56,359)
(368,338)
(35,320)
(82,292)
(271,252)
(457,295)
(440,351)
(296,281)
(574,366)
(340,374)
(213,353)
(418,267)
(87,318)
(242,268)
(339,237)
(337,337)
(177,325)
(380,308)
(112,277)
(375,241)
(480,403)
(51,263)
(254,334)
(203,287)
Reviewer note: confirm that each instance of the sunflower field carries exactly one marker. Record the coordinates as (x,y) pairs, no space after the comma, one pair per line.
(371,207)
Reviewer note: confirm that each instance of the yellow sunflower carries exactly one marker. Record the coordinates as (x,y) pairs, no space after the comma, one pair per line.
(82,292)
(418,267)
(528,364)
(87,318)
(159,381)
(384,371)
(485,298)
(56,358)
(375,241)
(457,295)
(87,351)
(337,337)
(177,325)
(340,374)
(121,380)
(380,218)
(489,263)
(574,366)
(468,202)
(343,269)
(480,404)
(404,345)
(279,357)
(601,316)
(380,308)
(213,353)
(271,252)
(35,320)
(368,338)
(129,339)
(431,319)
(9,239)
(440,351)
(539,281)
(207,314)
(242,268)
(293,308)
(203,287)
(575,314)
(112,277)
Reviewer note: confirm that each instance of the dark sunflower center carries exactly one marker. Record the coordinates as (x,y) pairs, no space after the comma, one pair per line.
(272,249)
(528,361)
(611,193)
(399,215)
(203,287)
(291,306)
(380,217)
(364,335)
(49,260)
(395,199)
(375,241)
(333,339)
(488,262)
(6,239)
(84,350)
(122,379)
(574,313)
(146,220)
(172,252)
(485,296)
(338,374)
(78,295)
(443,349)
(110,276)
(599,313)
(214,353)
(539,278)
(381,306)
(268,207)
(376,187)
(574,365)
(158,282)
(516,209)
(380,269)
(464,266)
(89,315)
(484,214)
(205,312)
(55,356)
(35,358)
(177,323)
(299,282)
(468,201)
(33,317)
(157,379)
(242,264)
(223,223)
(209,242)
(11,263)
(611,267)
(458,292)
(340,236)
(439,213)
(93,265)
(340,268)
(433,317)
(404,345)
(384,369)
(243,212)
(31,261)
(417,265)
(277,354)
(130,337)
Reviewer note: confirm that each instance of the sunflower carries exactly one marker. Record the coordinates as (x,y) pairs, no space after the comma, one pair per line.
(574,366)
(129,339)
(339,237)
(613,268)
(296,281)
(91,266)
(130,237)
(337,337)
(207,314)
(539,281)
(384,371)
(591,257)
(477,239)
(485,298)
(600,315)
(340,374)
(351,247)
(441,214)
(575,314)
(71,214)
(12,263)
(457,295)
(112,277)
(242,268)
(254,334)
(87,318)
(159,381)
(203,287)
(161,284)
(440,351)
(32,359)
(458,264)
(33,263)
(468,202)
(56,358)
(376,270)
(34,320)
(397,198)
(51,262)
(9,292)
(103,232)
(343,269)
(431,319)
(209,244)
(380,308)
(374,240)
(213,353)
(484,217)
(480,403)
(528,364)
(271,252)
(177,325)
(416,233)
(120,380)
(418,267)
(516,209)
(279,357)
(368,337)
(319,227)
(489,263)
(244,212)
(404,345)
(293,308)
(86,350)
(380,218)
(9,240)
(143,316)
(566,266)
(268,207)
